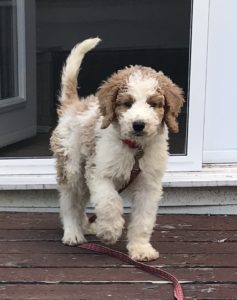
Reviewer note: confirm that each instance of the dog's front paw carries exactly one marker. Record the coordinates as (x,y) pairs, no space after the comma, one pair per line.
(73,237)
(142,252)
(109,231)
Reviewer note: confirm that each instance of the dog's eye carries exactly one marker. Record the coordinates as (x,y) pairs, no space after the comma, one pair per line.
(128,104)
(156,105)
(153,104)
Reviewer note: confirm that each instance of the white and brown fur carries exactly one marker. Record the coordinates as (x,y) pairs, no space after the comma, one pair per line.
(93,162)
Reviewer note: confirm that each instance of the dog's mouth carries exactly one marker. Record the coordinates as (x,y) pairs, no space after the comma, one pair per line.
(135,135)
(138,133)
(132,133)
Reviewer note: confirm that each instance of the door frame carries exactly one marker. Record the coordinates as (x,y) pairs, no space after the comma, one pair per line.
(18,114)
(14,102)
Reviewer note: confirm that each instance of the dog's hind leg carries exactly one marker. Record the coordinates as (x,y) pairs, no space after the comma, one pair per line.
(70,215)
(84,193)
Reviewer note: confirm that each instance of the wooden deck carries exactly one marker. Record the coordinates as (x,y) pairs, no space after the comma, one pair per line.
(200,250)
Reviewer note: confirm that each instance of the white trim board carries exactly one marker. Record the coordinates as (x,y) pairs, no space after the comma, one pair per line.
(195,196)
(220,156)
(208,200)
(211,175)
(191,210)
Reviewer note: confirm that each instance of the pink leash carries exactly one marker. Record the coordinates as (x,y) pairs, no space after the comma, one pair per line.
(178,292)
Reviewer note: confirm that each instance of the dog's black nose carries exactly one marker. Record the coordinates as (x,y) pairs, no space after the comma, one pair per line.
(138,126)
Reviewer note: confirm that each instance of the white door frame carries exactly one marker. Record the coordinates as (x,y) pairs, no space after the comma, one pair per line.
(197,91)
(11,103)
(220,143)
(18,114)
(193,160)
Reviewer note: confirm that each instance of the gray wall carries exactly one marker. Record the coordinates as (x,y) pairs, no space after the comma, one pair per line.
(123,23)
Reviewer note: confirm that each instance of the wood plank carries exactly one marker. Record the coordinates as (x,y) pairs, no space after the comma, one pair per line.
(160,236)
(114,274)
(210,291)
(29,220)
(197,222)
(31,235)
(88,292)
(116,291)
(34,260)
(164,222)
(188,247)
(38,247)
(163,247)
(194,236)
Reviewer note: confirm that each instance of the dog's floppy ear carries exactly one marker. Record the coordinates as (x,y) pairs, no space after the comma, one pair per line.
(107,94)
(174,100)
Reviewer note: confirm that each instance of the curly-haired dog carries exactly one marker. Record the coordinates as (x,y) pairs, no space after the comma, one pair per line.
(95,143)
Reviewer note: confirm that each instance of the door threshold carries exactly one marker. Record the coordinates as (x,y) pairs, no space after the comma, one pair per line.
(210,175)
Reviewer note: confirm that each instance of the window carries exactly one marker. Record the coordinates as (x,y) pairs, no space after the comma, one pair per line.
(8,50)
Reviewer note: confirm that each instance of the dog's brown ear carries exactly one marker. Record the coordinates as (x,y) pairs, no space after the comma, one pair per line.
(107,94)
(174,100)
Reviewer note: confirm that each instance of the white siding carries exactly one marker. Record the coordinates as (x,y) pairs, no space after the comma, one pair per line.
(220,139)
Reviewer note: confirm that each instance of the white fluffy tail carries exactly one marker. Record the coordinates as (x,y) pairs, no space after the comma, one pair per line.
(72,67)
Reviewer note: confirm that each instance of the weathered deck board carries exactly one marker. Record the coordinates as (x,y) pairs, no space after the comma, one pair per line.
(114,273)
(164,222)
(163,247)
(162,235)
(200,250)
(93,260)
(116,291)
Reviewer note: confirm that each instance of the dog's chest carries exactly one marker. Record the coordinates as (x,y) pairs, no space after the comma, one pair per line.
(119,167)
(115,163)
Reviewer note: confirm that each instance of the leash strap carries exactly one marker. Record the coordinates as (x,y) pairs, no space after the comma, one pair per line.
(178,292)
(136,168)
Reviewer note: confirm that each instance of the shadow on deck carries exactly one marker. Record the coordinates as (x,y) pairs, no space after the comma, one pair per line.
(200,250)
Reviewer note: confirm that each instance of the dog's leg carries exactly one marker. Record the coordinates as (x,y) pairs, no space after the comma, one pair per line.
(143,217)
(87,227)
(70,210)
(108,208)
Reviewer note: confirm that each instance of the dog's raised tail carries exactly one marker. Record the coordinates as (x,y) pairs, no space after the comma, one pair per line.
(72,68)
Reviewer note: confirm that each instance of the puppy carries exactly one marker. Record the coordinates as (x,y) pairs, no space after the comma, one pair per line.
(95,145)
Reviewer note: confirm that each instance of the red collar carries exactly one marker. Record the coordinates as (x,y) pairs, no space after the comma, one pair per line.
(131,144)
